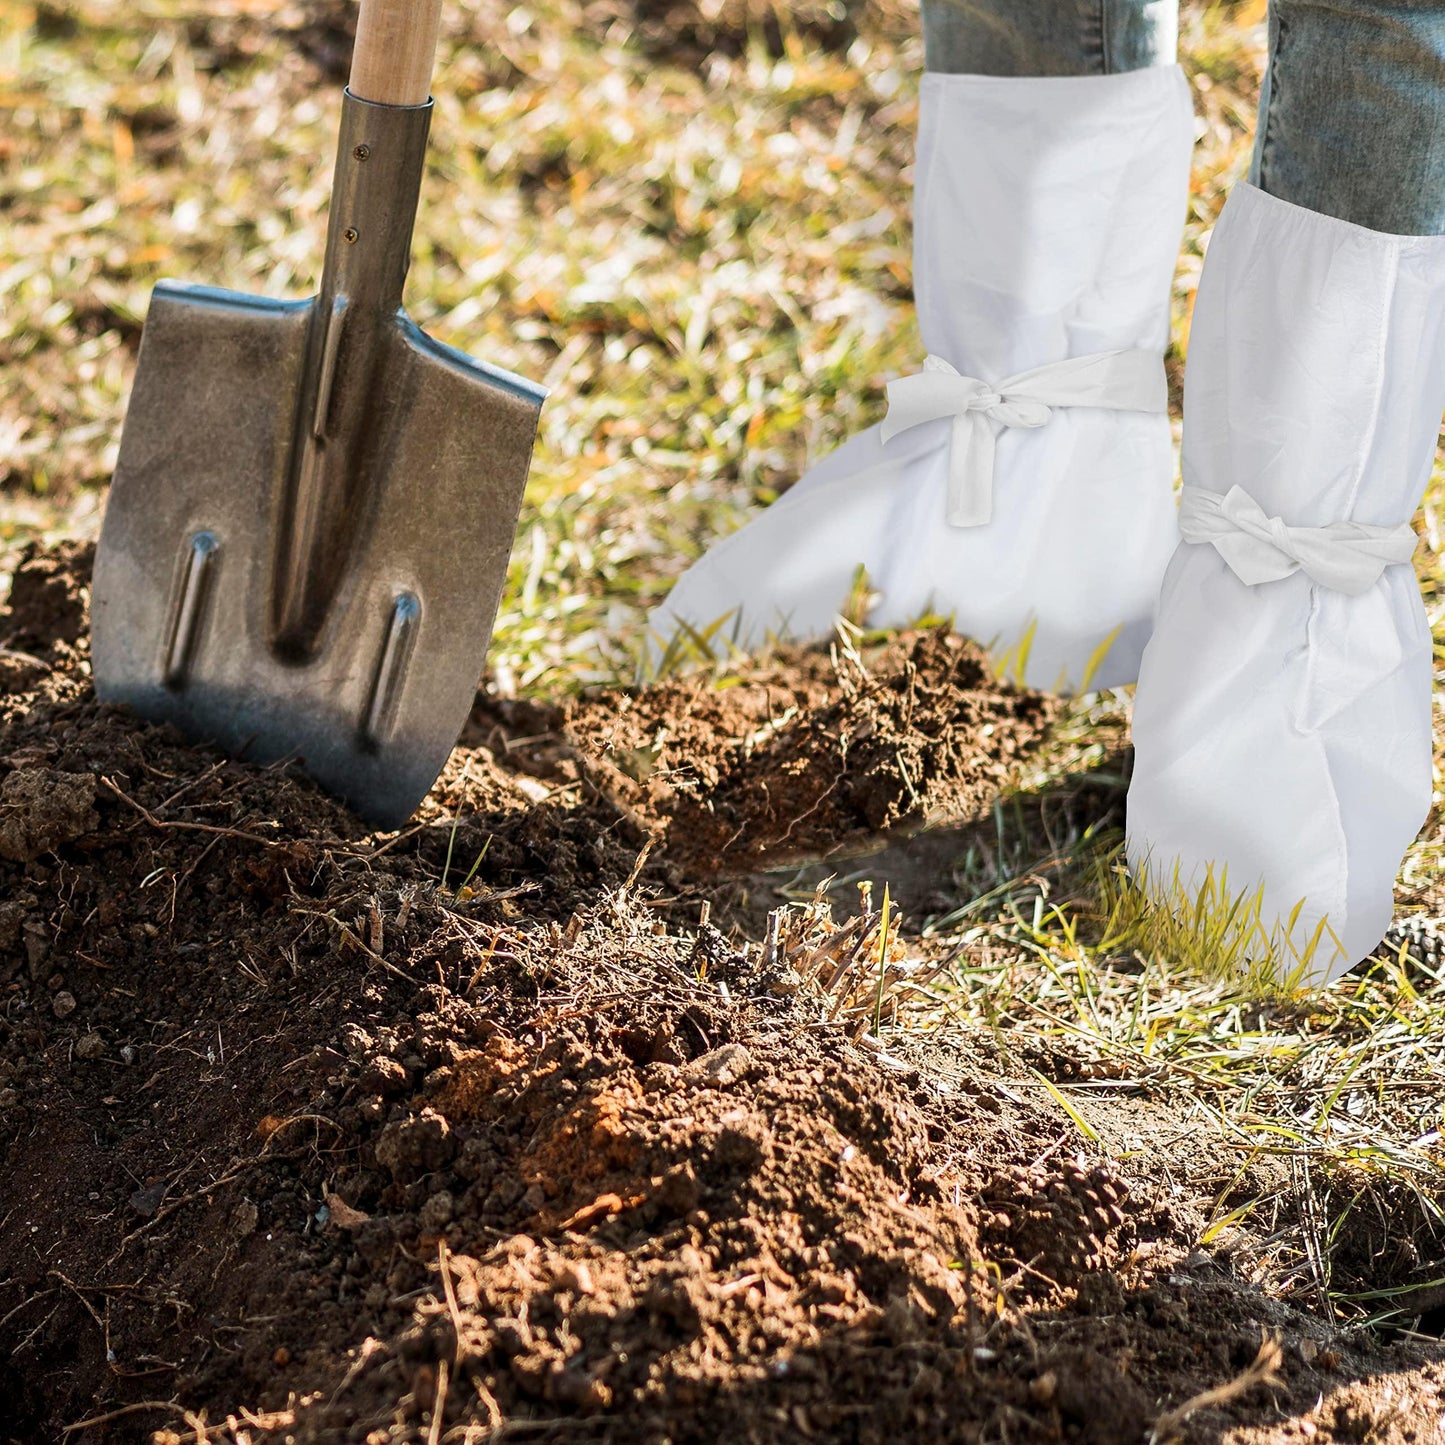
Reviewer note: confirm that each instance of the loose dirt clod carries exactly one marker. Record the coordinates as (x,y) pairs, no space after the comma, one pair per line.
(314,1135)
(40,810)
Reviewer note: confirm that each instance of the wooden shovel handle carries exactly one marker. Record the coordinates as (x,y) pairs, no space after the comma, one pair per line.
(396,43)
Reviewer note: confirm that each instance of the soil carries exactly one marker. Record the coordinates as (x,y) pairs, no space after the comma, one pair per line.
(477,1131)
(803,756)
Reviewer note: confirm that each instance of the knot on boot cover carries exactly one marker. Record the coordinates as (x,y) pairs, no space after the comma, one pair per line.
(1345,556)
(1126,380)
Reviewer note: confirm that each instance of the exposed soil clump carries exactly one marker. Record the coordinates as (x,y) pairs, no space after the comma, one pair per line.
(311,1134)
(799,756)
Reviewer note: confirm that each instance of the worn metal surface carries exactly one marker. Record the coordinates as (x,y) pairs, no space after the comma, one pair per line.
(313,508)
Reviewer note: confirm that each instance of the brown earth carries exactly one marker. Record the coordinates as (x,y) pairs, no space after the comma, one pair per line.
(472,1132)
(802,759)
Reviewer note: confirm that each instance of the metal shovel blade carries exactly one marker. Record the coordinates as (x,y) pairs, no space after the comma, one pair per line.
(313,509)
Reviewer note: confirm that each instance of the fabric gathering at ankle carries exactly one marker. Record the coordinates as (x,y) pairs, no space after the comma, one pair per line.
(1123,380)
(1044,38)
(1346,557)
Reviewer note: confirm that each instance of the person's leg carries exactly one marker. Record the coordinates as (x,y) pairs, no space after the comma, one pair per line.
(1352,113)
(1282,725)
(1048,37)
(1021,483)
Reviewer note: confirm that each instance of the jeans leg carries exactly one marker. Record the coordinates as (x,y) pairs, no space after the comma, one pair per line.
(1352,114)
(1048,37)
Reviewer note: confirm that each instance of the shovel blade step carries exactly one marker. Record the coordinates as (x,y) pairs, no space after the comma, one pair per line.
(182,619)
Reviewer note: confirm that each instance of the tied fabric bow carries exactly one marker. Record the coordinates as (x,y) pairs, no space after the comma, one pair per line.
(1346,556)
(1119,380)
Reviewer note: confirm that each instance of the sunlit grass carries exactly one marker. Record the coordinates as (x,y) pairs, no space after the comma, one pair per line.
(1331,1099)
(708,265)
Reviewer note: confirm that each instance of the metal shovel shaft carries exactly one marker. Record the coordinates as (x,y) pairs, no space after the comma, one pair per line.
(345,403)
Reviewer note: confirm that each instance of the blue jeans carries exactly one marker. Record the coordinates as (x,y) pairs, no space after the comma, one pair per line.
(1352,112)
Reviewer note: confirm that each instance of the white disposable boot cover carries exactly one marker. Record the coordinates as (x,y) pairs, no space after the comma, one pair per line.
(1282,720)
(1033,502)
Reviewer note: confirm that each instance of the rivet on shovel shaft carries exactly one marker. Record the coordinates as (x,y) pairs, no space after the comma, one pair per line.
(190,598)
(391,670)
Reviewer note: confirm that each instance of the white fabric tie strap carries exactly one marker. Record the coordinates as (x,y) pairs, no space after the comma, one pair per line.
(1346,556)
(1119,380)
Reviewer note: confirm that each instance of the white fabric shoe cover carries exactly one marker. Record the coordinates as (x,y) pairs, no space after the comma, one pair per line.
(1282,720)
(1022,482)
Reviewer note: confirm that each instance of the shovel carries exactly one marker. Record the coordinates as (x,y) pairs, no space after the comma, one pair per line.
(314,503)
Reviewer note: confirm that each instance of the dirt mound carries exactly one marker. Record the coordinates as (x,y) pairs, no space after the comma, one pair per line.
(316,1135)
(799,756)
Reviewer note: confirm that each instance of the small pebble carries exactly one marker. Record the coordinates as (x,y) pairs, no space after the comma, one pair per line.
(723,1066)
(437,1212)
(91,1046)
(146,1200)
(574,1275)
(63,1005)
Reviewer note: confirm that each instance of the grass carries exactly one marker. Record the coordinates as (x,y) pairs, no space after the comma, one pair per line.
(694,229)
(1342,1091)
(1213,929)
(1332,1101)
(708,263)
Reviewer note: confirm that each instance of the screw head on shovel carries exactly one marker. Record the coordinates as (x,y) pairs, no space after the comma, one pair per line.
(313,507)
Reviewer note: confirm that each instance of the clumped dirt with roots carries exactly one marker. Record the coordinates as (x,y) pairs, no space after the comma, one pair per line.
(801,760)
(465,1133)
